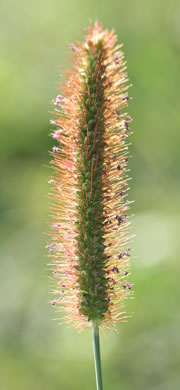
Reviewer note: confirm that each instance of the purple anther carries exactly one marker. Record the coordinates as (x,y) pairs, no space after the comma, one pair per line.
(123,285)
(55,149)
(119,219)
(57,226)
(129,286)
(116,59)
(128,118)
(72,46)
(126,273)
(118,112)
(53,303)
(121,255)
(56,134)
(125,97)
(126,159)
(56,103)
(59,97)
(115,270)
(47,246)
(118,167)
(126,125)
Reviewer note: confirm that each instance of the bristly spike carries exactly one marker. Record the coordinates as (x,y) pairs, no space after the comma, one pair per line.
(88,239)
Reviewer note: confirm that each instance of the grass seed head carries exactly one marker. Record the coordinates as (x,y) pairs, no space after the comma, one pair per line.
(89,221)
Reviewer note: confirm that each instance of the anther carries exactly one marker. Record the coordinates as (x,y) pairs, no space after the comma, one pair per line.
(72,46)
(55,149)
(126,97)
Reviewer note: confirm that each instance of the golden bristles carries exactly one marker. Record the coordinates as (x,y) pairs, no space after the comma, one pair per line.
(89,221)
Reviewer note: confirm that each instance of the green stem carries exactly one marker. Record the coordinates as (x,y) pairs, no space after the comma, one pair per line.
(97,356)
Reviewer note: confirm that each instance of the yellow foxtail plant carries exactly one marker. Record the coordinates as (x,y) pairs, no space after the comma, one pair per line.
(89,221)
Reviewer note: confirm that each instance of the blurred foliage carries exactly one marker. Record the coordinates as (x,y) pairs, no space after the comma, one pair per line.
(36,352)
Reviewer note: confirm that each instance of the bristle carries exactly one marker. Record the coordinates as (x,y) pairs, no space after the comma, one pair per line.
(88,238)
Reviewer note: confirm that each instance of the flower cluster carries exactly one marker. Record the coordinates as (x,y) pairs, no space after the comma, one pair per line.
(89,220)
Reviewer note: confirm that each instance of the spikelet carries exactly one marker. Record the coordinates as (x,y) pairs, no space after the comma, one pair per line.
(88,238)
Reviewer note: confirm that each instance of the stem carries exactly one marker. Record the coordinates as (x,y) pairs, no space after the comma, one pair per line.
(97,356)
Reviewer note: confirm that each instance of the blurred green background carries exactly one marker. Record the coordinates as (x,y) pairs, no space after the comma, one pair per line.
(36,353)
